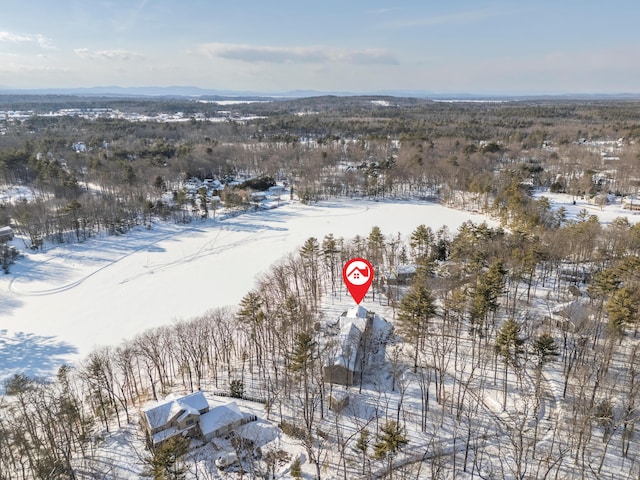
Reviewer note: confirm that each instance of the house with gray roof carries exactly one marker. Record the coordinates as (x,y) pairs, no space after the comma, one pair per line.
(6,234)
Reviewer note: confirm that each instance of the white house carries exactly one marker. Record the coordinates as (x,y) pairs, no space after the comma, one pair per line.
(600,199)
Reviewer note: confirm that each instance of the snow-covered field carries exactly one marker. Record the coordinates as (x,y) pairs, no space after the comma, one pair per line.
(55,306)
(606,214)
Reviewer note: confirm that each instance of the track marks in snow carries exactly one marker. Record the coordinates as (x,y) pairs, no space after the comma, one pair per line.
(209,248)
(13,288)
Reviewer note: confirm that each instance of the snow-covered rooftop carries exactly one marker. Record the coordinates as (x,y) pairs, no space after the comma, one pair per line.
(352,327)
(220,417)
(350,336)
(357,312)
(161,414)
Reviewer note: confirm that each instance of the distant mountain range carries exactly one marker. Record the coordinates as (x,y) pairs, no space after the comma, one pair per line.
(173,91)
(187,91)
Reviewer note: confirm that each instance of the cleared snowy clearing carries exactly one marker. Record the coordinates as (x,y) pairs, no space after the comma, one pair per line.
(57,305)
(574,205)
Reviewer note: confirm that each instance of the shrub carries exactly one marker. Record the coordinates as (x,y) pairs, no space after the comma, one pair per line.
(296,470)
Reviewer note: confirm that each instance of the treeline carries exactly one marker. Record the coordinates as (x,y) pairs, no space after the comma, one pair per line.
(545,319)
(477,156)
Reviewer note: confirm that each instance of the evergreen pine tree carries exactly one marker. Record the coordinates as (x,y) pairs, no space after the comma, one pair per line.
(390,440)
(165,461)
(509,347)
(417,307)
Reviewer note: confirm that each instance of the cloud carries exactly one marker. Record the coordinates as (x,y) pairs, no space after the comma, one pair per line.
(40,40)
(44,42)
(13,38)
(592,71)
(117,55)
(267,54)
(457,18)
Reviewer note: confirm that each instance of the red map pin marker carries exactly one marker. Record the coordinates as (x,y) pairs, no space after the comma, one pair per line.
(357,274)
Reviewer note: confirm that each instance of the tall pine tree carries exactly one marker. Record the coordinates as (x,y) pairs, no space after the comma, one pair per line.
(417,308)
(509,346)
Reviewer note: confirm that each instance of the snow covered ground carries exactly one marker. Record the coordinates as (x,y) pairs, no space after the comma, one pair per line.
(606,214)
(15,193)
(55,306)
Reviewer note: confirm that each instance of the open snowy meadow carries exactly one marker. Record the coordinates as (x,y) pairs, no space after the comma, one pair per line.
(56,305)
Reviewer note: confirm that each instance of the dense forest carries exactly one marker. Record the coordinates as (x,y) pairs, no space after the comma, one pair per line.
(539,316)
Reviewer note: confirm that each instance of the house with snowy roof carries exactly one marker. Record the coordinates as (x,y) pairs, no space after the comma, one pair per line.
(220,421)
(6,234)
(401,275)
(190,416)
(361,331)
(174,416)
(631,202)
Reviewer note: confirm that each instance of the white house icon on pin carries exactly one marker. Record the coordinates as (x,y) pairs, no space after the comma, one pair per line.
(358,273)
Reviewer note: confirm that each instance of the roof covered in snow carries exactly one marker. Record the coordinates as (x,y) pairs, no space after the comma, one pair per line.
(406,269)
(172,407)
(220,417)
(353,325)
(357,312)
(260,432)
(350,336)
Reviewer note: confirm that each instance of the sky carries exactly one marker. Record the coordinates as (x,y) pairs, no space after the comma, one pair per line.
(358,46)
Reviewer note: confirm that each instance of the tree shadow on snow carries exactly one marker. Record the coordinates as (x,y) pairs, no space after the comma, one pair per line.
(32,269)
(35,356)
(7,304)
(240,226)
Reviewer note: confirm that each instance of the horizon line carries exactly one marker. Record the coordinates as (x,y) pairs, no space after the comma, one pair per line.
(195,91)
